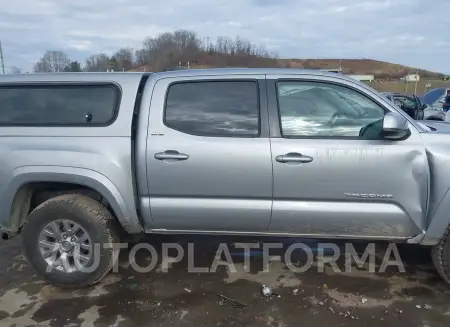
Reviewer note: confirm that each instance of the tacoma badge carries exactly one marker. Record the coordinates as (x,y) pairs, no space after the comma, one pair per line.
(369,195)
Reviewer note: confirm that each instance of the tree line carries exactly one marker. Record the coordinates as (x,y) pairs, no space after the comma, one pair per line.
(164,52)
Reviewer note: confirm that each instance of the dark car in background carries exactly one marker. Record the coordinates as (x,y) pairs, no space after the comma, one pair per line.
(416,107)
(413,106)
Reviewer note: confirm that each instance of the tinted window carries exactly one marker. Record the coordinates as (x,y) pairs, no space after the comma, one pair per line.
(405,101)
(214,108)
(327,110)
(57,105)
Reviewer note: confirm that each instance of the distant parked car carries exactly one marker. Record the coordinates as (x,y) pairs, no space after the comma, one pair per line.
(412,105)
(435,98)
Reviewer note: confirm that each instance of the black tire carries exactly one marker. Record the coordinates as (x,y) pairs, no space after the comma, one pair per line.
(88,213)
(441,256)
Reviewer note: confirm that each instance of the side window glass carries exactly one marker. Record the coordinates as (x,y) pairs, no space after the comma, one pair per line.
(214,108)
(315,109)
(58,105)
(408,102)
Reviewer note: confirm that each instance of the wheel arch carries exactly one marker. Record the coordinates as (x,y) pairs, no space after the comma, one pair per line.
(27,179)
(439,223)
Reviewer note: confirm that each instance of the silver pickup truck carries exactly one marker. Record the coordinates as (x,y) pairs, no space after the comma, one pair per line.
(281,152)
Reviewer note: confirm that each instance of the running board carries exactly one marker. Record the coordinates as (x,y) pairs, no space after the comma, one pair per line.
(318,236)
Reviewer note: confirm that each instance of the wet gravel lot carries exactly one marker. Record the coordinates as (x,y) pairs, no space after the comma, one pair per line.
(177,298)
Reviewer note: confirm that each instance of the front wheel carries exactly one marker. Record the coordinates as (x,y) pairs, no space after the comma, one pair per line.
(69,240)
(441,256)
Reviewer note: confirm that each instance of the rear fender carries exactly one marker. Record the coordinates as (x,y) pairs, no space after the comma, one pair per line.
(125,212)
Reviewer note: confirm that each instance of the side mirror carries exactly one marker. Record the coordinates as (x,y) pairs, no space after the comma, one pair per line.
(395,127)
(424,106)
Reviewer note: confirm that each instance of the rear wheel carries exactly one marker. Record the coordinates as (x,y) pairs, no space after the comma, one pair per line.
(441,256)
(69,240)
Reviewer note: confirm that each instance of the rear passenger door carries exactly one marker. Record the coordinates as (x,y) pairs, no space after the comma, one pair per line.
(208,154)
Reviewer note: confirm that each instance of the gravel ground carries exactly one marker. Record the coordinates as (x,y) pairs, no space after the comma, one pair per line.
(416,297)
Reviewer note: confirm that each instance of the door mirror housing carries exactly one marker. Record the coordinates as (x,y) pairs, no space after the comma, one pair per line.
(424,106)
(395,126)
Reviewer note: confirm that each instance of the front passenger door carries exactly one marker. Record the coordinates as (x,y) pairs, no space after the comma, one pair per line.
(334,174)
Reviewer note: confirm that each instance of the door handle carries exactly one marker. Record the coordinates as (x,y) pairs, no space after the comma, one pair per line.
(293,157)
(171,155)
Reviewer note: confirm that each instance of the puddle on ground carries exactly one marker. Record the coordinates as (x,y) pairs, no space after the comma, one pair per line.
(177,297)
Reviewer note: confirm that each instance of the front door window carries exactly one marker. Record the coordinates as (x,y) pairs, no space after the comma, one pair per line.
(315,109)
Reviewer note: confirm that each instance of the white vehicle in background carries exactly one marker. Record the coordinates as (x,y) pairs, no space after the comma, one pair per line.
(435,98)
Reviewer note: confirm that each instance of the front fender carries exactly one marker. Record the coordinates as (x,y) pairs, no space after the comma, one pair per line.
(124,211)
(439,223)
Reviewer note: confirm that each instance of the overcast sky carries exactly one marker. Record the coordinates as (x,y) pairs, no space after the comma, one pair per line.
(409,32)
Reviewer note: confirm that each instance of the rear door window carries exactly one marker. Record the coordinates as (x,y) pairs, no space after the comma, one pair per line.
(214,108)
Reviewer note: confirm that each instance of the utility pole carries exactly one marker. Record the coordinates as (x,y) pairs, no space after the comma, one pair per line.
(417,77)
(2,63)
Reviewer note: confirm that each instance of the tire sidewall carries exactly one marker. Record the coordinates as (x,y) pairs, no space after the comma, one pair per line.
(56,210)
(445,258)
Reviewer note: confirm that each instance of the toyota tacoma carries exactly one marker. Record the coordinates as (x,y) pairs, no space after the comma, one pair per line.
(87,157)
